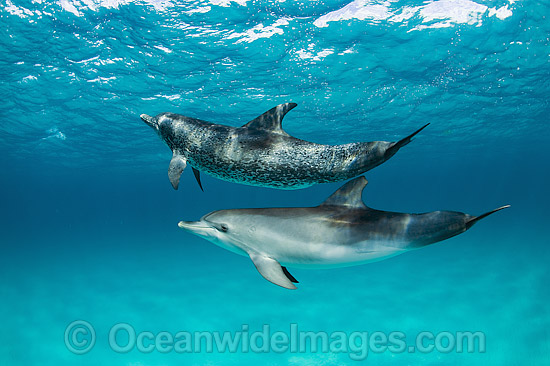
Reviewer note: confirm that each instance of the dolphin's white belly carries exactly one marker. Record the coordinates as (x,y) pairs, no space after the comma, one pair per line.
(315,245)
(331,255)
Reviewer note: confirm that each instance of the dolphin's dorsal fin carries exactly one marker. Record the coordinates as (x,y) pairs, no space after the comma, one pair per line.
(349,195)
(272,119)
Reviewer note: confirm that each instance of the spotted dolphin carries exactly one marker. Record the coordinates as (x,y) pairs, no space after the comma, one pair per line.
(340,232)
(261,153)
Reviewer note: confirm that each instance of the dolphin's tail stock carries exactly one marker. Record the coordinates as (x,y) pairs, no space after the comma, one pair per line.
(399,144)
(475,219)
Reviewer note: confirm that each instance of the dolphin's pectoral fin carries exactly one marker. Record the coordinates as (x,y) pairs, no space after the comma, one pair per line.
(177,165)
(272,271)
(272,119)
(349,195)
(198,177)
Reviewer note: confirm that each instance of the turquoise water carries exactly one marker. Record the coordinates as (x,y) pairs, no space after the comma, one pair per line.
(89,219)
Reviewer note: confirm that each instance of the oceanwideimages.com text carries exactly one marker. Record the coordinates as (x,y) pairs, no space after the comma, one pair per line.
(81,336)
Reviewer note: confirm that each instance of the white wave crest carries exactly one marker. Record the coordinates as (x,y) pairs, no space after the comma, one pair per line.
(434,14)
(259,31)
(77,6)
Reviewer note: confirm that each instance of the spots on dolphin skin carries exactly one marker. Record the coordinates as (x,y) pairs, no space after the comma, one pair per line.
(264,157)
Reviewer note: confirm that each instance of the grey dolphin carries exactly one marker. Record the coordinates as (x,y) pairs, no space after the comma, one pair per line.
(340,232)
(261,153)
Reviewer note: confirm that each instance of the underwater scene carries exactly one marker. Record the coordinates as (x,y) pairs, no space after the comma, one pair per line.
(109,105)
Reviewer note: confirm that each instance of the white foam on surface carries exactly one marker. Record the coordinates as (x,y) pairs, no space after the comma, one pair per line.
(77,6)
(29,78)
(358,9)
(309,54)
(18,10)
(501,13)
(439,13)
(446,13)
(260,31)
(227,3)
(101,79)
(54,133)
(162,48)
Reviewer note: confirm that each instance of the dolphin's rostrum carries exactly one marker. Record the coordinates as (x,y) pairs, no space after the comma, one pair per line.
(342,231)
(261,153)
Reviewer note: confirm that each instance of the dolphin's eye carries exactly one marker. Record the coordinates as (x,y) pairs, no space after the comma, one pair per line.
(224,228)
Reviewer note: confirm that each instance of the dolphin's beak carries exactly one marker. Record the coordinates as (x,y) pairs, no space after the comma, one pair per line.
(149,120)
(196,227)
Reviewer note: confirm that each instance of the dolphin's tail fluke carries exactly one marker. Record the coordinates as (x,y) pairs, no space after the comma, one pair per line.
(399,144)
(473,220)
